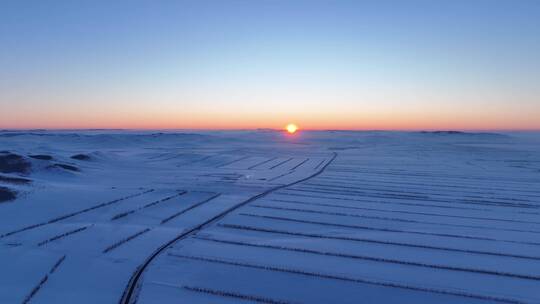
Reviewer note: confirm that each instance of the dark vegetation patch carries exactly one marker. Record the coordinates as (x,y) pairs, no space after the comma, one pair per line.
(463,134)
(445,132)
(14,180)
(123,241)
(81,157)
(22,131)
(7,194)
(13,163)
(235,295)
(65,167)
(17,133)
(344,148)
(41,157)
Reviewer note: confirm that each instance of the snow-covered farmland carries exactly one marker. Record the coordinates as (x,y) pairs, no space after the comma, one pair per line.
(266,217)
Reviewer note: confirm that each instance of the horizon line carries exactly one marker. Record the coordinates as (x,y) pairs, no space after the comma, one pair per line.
(271,129)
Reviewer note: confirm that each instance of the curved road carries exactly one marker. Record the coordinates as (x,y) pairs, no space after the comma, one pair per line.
(129,295)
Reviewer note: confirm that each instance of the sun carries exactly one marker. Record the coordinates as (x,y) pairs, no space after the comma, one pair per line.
(291,128)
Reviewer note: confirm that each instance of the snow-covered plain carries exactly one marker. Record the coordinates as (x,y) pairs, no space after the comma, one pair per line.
(266,217)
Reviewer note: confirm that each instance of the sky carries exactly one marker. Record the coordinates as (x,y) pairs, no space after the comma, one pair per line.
(227,64)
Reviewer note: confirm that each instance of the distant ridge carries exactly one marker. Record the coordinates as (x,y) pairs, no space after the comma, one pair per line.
(461,133)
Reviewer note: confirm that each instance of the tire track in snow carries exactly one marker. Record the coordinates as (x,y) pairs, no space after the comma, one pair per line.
(431,182)
(232,162)
(346,183)
(378,202)
(372,258)
(366,240)
(319,164)
(126,213)
(280,176)
(234,295)
(42,282)
(69,215)
(407,212)
(429,186)
(125,240)
(262,163)
(459,293)
(281,163)
(176,214)
(196,161)
(476,218)
(63,235)
(458,236)
(418,198)
(300,164)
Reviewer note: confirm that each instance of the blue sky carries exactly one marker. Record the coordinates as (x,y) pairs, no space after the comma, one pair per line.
(243,64)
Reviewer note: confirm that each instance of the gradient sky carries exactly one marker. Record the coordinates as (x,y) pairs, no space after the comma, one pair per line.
(260,64)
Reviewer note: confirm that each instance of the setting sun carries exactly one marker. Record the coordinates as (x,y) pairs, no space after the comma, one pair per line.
(291,128)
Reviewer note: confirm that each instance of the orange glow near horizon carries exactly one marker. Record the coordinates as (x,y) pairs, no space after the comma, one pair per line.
(308,124)
(351,120)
